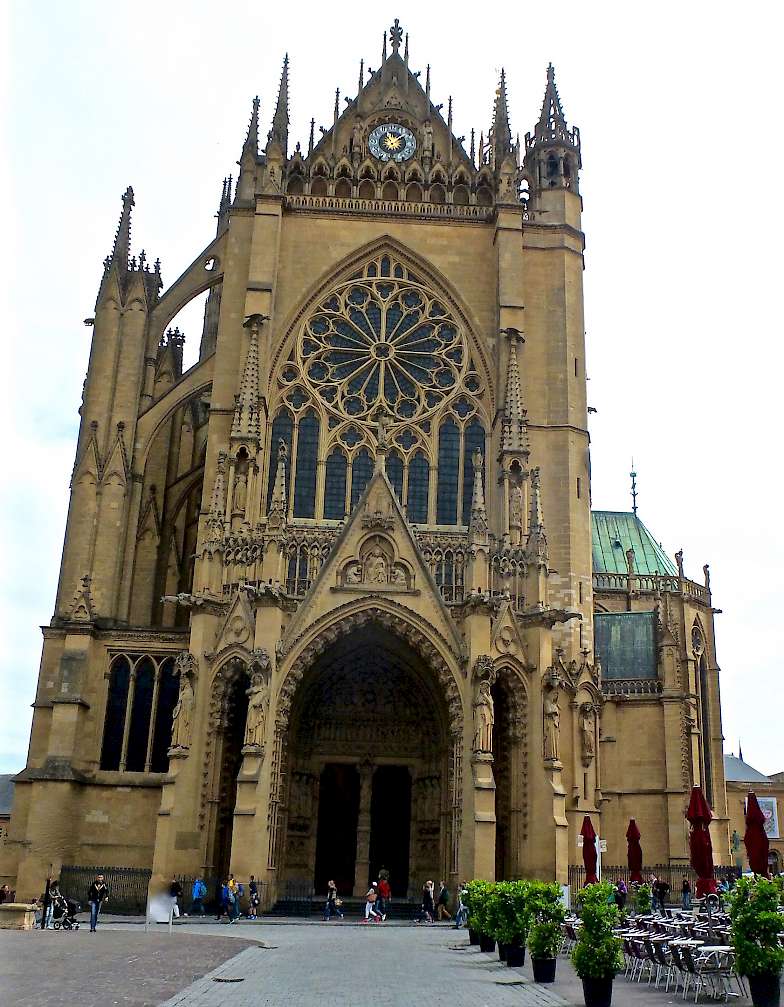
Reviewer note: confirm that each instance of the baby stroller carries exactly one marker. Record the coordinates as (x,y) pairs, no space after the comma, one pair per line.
(64,913)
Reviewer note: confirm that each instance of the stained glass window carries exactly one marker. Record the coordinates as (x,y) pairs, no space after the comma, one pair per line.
(307,457)
(361,471)
(114,724)
(418,480)
(448,473)
(140,717)
(382,340)
(335,486)
(474,438)
(168,691)
(281,431)
(395,473)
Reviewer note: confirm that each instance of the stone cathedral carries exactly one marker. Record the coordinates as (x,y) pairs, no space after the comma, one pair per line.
(334,597)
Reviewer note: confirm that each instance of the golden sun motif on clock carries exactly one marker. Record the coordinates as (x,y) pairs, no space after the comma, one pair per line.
(392,142)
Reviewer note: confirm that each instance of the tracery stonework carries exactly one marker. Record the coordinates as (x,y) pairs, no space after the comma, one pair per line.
(371,544)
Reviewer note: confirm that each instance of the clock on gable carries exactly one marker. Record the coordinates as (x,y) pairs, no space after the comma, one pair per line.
(392,142)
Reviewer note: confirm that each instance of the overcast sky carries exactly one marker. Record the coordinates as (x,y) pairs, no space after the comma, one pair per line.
(679,109)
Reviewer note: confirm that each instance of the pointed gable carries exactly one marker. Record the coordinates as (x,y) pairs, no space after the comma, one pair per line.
(376,554)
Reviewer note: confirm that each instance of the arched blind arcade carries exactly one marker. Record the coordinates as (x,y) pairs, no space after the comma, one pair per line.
(380,344)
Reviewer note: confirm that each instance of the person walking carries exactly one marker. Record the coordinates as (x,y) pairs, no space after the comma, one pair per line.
(428,908)
(198,895)
(443,902)
(662,891)
(97,896)
(384,896)
(253,894)
(332,905)
(462,909)
(370,904)
(175,894)
(48,901)
(223,901)
(686,893)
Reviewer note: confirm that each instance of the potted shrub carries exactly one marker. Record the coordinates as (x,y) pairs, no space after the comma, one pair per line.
(597,955)
(756,924)
(546,912)
(496,919)
(508,919)
(480,895)
(643,899)
(471,900)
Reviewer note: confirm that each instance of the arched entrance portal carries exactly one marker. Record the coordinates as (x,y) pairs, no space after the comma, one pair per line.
(369,768)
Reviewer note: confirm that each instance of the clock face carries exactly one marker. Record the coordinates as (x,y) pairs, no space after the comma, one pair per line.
(392,142)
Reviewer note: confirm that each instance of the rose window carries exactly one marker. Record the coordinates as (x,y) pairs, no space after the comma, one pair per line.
(382,342)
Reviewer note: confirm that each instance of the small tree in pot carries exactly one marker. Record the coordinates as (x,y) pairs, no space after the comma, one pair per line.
(514,913)
(479,894)
(597,955)
(546,912)
(756,925)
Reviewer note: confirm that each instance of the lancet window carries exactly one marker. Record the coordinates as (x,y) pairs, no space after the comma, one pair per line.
(381,351)
(140,705)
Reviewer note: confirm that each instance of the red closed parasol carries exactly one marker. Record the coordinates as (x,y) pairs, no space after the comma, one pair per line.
(700,845)
(589,851)
(756,838)
(634,854)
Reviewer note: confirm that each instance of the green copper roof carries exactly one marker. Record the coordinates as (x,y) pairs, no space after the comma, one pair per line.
(616,531)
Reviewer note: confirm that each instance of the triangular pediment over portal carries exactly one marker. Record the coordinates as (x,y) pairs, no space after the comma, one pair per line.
(506,639)
(237,631)
(376,554)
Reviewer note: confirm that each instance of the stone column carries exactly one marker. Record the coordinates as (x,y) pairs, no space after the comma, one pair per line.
(362,863)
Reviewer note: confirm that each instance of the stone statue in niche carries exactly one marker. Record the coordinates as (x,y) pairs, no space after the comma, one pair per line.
(240,491)
(552,721)
(516,507)
(258,705)
(483,718)
(587,732)
(376,567)
(182,717)
(353,574)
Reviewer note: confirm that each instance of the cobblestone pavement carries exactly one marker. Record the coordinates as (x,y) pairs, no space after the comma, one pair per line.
(114,966)
(296,964)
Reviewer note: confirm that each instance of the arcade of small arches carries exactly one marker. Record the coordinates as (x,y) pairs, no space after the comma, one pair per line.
(394,182)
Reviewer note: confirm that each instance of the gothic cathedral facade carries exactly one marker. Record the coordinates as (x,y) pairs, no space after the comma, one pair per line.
(334,598)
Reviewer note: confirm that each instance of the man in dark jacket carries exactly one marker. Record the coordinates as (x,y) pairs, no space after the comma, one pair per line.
(175,892)
(96,896)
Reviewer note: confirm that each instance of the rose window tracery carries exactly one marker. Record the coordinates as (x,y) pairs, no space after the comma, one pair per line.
(382,341)
(381,355)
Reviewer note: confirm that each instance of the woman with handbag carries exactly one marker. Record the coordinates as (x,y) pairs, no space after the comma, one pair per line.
(333,903)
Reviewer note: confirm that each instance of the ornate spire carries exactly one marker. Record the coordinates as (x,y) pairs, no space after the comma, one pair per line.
(361,76)
(218,502)
(396,36)
(501,131)
(427,88)
(121,249)
(246,425)
(478,524)
(536,549)
(277,505)
(514,429)
(384,50)
(280,121)
(449,128)
(552,114)
(252,139)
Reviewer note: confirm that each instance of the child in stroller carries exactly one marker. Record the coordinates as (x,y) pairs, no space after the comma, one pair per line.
(64,913)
